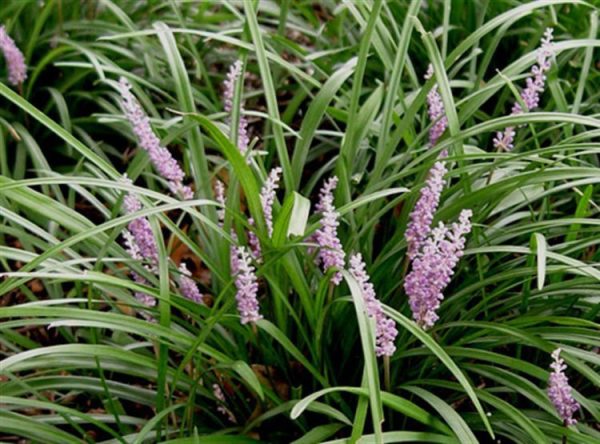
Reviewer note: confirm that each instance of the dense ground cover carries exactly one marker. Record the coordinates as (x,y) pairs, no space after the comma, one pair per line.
(220,221)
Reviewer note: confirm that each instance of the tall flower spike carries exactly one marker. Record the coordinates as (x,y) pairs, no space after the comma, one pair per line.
(235,72)
(187,286)
(531,94)
(433,268)
(559,390)
(330,253)
(15,62)
(421,216)
(385,328)
(161,158)
(247,288)
(436,111)
(267,197)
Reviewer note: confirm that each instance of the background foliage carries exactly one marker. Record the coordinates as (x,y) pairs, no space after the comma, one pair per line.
(331,88)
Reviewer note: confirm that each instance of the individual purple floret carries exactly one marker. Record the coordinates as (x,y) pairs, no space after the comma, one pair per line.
(436,111)
(247,288)
(385,328)
(330,253)
(421,216)
(235,72)
(161,158)
(504,139)
(433,268)
(141,230)
(267,197)
(560,392)
(15,62)
(531,94)
(187,285)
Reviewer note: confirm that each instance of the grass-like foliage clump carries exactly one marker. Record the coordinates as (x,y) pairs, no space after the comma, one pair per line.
(297,221)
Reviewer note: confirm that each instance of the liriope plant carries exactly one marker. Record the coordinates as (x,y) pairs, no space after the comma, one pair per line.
(257,221)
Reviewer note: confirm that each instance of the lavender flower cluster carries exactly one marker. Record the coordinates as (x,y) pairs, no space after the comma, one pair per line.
(247,287)
(141,230)
(434,253)
(331,254)
(385,328)
(531,94)
(141,245)
(188,287)
(421,217)
(235,72)
(433,268)
(161,158)
(267,197)
(435,110)
(559,390)
(15,62)
(241,264)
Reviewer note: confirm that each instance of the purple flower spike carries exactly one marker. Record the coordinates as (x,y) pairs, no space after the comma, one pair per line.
(331,253)
(531,94)
(15,62)
(560,392)
(140,244)
(141,231)
(385,328)
(187,286)
(436,111)
(235,72)
(421,216)
(433,268)
(247,288)
(161,158)
(267,197)
(536,81)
